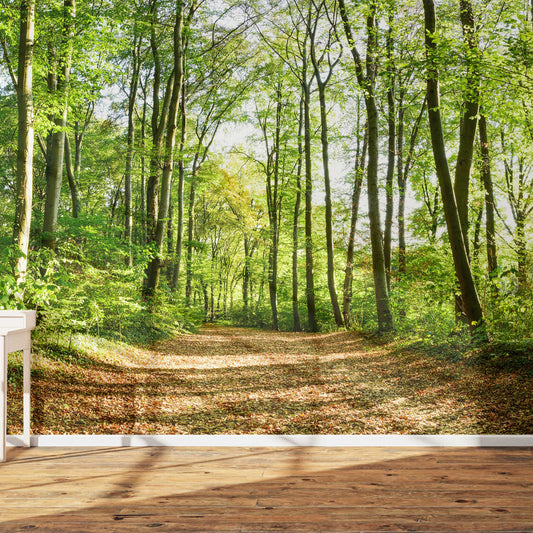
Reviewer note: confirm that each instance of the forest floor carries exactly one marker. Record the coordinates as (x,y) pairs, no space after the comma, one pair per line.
(238,380)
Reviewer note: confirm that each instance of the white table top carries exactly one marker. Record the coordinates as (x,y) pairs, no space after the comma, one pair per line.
(4,332)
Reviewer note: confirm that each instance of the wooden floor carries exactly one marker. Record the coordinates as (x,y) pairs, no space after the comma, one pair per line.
(266,489)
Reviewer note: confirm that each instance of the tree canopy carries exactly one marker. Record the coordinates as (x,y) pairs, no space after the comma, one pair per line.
(316,165)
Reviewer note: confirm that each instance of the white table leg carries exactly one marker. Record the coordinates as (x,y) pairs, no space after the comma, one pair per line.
(27,397)
(3,398)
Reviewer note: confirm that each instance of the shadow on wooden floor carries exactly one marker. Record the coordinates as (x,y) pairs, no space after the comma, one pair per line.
(266,489)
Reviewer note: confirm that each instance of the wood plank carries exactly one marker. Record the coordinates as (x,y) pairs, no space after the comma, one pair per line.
(261,490)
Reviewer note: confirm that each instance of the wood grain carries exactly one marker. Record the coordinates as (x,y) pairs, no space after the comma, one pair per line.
(267,489)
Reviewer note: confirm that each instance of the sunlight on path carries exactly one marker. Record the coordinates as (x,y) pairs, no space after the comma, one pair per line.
(227,347)
(228,380)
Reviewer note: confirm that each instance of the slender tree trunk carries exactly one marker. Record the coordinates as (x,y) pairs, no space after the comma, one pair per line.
(312,324)
(476,244)
(143,238)
(520,215)
(74,169)
(337,315)
(391,152)
(72,181)
(472,305)
(296,324)
(360,162)
(190,237)
(273,279)
(130,148)
(272,187)
(58,83)
(367,83)
(153,271)
(385,322)
(24,191)
(181,186)
(402,185)
(170,232)
(469,120)
(403,174)
(492,259)
(160,116)
(246,278)
(206,298)
(521,252)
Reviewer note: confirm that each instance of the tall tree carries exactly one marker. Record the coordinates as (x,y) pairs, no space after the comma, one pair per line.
(403,169)
(60,59)
(470,298)
(181,151)
(24,190)
(274,194)
(153,271)
(318,58)
(306,82)
(296,323)
(519,191)
(360,162)
(486,175)
(467,134)
(391,145)
(295,53)
(367,82)
(159,120)
(130,141)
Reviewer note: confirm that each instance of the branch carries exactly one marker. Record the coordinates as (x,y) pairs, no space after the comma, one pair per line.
(9,64)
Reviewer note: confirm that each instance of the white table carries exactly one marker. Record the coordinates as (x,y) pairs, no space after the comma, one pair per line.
(15,334)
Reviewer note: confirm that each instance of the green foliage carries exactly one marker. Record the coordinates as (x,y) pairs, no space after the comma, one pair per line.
(510,316)
(87,289)
(39,288)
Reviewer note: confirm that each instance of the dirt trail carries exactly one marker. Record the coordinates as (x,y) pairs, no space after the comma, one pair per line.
(239,380)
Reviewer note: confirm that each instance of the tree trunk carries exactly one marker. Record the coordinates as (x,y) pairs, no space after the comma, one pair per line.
(72,181)
(190,237)
(337,315)
(272,187)
(367,83)
(385,322)
(24,191)
(402,186)
(170,231)
(58,83)
(391,152)
(472,305)
(296,324)
(360,162)
(476,244)
(521,252)
(403,174)
(181,185)
(143,238)
(492,259)
(312,324)
(74,169)
(130,147)
(160,116)
(469,120)
(520,215)
(153,271)
(246,279)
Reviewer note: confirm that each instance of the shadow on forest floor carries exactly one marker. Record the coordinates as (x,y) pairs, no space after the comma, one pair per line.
(237,380)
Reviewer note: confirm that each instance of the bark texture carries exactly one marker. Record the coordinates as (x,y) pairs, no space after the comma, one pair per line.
(470,298)
(24,191)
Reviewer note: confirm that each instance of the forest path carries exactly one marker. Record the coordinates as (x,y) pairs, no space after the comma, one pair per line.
(242,380)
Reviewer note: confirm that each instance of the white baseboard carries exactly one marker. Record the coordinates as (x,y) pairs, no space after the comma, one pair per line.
(273,440)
